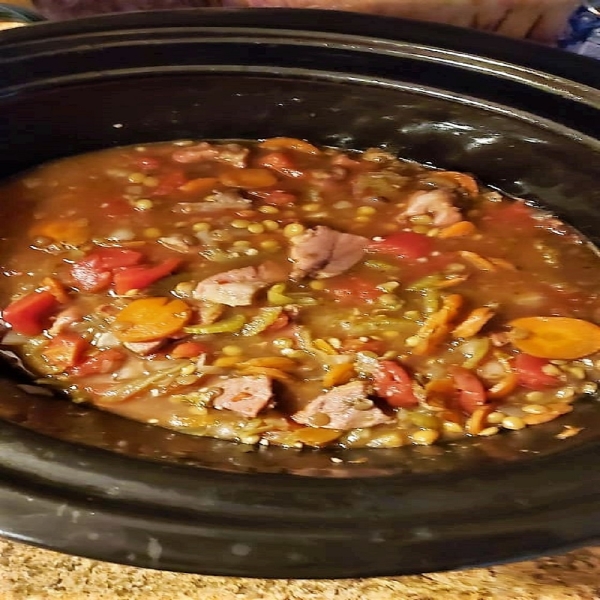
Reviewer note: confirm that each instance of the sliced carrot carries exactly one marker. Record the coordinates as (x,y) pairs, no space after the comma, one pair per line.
(248,178)
(66,231)
(465,181)
(478,419)
(201,185)
(267,372)
(432,341)
(149,319)
(473,323)
(437,326)
(338,374)
(477,260)
(56,288)
(555,337)
(324,346)
(504,387)
(288,143)
(460,229)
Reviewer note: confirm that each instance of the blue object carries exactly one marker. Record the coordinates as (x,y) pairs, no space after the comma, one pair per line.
(583,33)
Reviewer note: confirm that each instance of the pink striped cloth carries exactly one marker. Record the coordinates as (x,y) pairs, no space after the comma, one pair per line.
(542,20)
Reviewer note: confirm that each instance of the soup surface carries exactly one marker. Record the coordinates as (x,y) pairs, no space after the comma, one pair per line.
(277,293)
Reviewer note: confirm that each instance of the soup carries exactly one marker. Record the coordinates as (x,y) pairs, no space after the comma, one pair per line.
(273,292)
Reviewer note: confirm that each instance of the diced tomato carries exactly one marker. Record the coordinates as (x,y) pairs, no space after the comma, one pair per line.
(404,244)
(94,272)
(471,391)
(531,374)
(277,197)
(30,314)
(115,208)
(114,258)
(88,278)
(351,288)
(146,163)
(65,350)
(140,277)
(189,350)
(394,385)
(168,183)
(280,162)
(106,361)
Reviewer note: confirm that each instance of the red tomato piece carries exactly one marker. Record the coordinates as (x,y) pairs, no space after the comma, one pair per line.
(404,244)
(169,182)
(94,273)
(394,385)
(531,374)
(140,277)
(278,198)
(189,350)
(471,391)
(353,289)
(115,208)
(106,361)
(280,162)
(30,314)
(114,258)
(65,350)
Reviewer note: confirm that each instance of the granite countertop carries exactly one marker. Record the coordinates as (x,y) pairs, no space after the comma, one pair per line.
(28,573)
(31,574)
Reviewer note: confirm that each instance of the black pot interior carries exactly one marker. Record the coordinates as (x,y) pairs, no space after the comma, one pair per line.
(531,134)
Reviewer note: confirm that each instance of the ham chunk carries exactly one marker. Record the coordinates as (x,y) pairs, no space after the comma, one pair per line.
(323,252)
(144,348)
(64,319)
(238,286)
(343,407)
(230,153)
(246,395)
(437,203)
(230,200)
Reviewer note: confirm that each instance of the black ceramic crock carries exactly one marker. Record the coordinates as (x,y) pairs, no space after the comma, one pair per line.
(524,118)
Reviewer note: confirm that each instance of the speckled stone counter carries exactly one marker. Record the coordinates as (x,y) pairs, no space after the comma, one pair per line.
(31,574)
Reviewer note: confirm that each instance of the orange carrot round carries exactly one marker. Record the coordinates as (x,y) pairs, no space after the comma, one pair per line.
(248,178)
(288,143)
(149,319)
(555,337)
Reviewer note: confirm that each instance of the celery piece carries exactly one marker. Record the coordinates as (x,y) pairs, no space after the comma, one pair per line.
(265,318)
(230,325)
(276,295)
